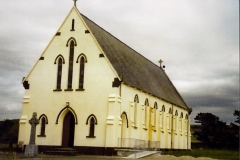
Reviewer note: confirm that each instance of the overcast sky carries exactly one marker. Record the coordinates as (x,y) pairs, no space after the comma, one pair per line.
(198,40)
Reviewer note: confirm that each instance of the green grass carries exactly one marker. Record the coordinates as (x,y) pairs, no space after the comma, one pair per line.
(211,153)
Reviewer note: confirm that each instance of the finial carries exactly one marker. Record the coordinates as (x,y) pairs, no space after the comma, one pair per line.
(75,3)
(160,62)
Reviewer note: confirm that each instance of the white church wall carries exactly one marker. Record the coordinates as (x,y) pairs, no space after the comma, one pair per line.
(98,77)
(169,130)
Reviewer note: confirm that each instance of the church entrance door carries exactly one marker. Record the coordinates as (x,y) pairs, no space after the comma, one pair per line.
(68,130)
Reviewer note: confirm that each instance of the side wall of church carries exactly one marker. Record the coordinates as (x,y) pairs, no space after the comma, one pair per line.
(154,119)
(45,98)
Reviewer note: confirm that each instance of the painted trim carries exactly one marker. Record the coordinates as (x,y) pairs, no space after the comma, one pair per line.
(92,115)
(55,62)
(82,55)
(125,113)
(72,38)
(71,110)
(43,115)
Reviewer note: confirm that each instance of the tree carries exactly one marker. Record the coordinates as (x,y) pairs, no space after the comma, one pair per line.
(237,114)
(216,133)
(209,123)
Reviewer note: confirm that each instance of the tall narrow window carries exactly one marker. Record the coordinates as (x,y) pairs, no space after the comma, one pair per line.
(176,120)
(155,115)
(92,127)
(135,109)
(43,122)
(73,23)
(81,73)
(43,125)
(170,118)
(163,115)
(146,117)
(70,68)
(59,73)
(92,122)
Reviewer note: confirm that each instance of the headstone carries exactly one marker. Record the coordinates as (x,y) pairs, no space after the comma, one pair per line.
(31,150)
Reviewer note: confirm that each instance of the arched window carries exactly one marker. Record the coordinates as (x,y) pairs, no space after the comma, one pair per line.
(136,101)
(92,122)
(146,105)
(73,23)
(70,67)
(43,125)
(155,115)
(81,73)
(92,127)
(170,110)
(43,121)
(163,117)
(59,73)
(176,120)
(186,117)
(163,108)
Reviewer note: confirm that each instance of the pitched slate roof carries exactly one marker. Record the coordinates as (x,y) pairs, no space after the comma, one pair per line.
(135,70)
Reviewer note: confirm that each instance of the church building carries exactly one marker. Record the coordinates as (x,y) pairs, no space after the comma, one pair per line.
(94,93)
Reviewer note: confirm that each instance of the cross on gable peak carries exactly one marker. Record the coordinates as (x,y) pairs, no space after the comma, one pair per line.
(75,1)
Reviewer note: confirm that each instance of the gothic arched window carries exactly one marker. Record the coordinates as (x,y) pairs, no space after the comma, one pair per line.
(155,115)
(136,101)
(81,73)
(146,105)
(59,73)
(43,121)
(92,122)
(70,67)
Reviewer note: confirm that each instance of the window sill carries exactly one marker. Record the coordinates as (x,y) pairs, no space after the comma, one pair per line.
(41,135)
(57,90)
(80,89)
(91,136)
(68,89)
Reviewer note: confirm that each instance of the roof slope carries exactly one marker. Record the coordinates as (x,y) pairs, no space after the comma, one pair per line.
(135,70)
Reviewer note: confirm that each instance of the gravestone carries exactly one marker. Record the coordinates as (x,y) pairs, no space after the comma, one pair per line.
(31,150)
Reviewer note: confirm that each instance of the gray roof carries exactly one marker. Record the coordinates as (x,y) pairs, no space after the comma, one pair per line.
(134,69)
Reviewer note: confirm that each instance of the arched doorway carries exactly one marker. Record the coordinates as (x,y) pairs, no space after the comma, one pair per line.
(68,130)
(124,127)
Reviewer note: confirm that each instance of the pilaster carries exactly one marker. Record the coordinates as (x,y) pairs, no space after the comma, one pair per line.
(114,121)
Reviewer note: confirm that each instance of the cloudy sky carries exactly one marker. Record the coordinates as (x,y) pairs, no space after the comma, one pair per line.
(197,40)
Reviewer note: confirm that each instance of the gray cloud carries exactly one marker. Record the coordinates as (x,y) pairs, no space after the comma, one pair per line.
(198,42)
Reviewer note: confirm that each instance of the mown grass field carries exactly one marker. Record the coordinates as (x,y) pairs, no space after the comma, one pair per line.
(211,153)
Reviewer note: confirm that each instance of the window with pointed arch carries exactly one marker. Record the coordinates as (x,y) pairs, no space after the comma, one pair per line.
(170,117)
(155,115)
(146,117)
(43,122)
(92,121)
(59,73)
(81,73)
(70,67)
(176,120)
(136,101)
(181,121)
(163,111)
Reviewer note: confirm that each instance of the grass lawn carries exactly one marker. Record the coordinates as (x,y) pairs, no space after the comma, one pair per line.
(212,153)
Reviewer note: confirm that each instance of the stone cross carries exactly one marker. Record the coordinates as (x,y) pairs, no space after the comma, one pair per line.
(33,121)
(75,2)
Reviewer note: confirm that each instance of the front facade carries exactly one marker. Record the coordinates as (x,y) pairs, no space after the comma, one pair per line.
(90,92)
